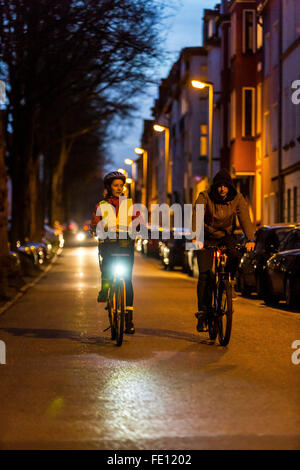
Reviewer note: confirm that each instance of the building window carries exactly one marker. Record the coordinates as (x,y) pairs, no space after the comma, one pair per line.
(267,54)
(248,31)
(203,140)
(258,196)
(288,205)
(248,112)
(211,28)
(184,105)
(266,209)
(259,34)
(275,45)
(258,108)
(232,121)
(267,133)
(275,127)
(295,203)
(233,35)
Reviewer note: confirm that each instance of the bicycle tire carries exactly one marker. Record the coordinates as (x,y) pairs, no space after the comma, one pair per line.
(119,314)
(224,312)
(111,319)
(212,323)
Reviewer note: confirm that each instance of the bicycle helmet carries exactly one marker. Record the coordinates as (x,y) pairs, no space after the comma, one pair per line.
(113,175)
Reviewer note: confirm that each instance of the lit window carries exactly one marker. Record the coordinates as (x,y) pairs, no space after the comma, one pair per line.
(232,115)
(203,140)
(266,133)
(259,34)
(258,108)
(248,31)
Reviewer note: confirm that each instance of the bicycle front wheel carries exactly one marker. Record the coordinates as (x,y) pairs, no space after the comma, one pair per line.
(111,317)
(224,312)
(120,313)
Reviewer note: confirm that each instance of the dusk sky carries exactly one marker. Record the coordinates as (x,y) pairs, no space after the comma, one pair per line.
(185,30)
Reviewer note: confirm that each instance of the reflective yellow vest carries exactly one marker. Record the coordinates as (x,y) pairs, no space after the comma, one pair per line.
(112,222)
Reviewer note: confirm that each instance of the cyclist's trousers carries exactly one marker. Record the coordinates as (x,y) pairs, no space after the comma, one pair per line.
(205,262)
(106,260)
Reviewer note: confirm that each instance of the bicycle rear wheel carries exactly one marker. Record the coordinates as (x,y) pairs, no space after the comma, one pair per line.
(119,313)
(224,312)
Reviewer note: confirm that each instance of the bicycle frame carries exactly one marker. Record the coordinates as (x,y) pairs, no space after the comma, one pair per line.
(221,286)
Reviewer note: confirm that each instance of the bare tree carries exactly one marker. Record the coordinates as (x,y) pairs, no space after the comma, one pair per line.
(58,57)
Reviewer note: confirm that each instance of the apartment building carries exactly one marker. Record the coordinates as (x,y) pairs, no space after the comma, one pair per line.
(280,115)
(184,111)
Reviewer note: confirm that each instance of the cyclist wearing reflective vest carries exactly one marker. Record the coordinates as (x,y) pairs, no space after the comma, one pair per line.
(114,215)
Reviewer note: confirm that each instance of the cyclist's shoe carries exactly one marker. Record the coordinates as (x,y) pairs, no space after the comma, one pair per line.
(129,326)
(202,321)
(130,330)
(102,295)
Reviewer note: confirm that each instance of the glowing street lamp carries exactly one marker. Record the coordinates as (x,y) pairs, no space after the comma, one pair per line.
(131,181)
(141,151)
(200,85)
(168,173)
(121,170)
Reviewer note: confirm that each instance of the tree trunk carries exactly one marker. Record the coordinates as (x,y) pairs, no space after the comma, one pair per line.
(4,250)
(3,196)
(57,206)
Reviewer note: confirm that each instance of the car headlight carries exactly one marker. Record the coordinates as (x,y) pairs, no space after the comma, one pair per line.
(80,236)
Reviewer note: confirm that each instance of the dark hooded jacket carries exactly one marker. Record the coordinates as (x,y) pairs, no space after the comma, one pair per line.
(219,213)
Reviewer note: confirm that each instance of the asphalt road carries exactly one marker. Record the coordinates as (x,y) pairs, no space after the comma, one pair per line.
(65,385)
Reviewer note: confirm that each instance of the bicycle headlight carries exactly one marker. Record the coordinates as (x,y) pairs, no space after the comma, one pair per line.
(119,269)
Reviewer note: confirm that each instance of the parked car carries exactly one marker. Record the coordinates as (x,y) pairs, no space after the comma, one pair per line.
(172,252)
(251,275)
(282,271)
(151,246)
(29,259)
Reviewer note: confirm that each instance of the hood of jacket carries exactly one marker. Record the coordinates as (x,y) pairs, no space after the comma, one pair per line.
(222,178)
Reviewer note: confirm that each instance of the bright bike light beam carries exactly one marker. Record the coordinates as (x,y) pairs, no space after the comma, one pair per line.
(119,269)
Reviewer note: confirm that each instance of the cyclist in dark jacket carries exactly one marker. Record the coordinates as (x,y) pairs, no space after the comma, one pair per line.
(222,203)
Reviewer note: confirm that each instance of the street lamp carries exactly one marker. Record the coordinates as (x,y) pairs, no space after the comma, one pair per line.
(141,151)
(200,85)
(121,170)
(131,181)
(168,163)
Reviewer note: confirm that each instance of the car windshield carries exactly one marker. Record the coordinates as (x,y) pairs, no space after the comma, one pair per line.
(291,242)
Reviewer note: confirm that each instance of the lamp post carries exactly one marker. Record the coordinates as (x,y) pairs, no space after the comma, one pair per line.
(131,180)
(200,85)
(168,163)
(141,151)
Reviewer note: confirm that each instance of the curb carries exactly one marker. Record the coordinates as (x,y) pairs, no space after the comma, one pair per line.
(25,288)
